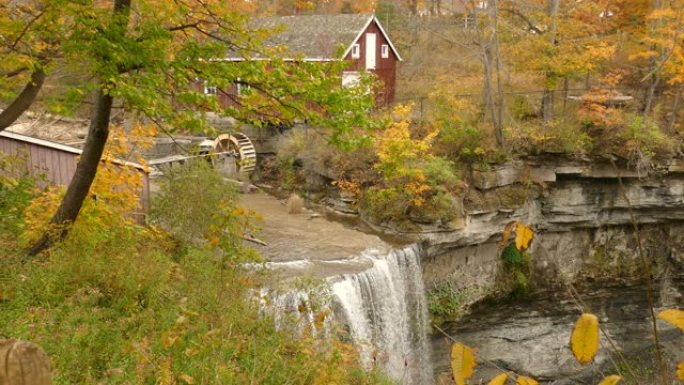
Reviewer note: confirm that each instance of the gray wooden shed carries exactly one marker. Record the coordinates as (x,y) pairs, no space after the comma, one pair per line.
(57,162)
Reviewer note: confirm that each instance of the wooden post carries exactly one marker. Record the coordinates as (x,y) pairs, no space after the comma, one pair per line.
(23,363)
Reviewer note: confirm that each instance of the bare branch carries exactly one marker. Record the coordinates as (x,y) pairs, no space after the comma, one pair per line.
(524,18)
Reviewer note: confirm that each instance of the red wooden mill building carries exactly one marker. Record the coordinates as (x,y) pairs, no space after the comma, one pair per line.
(318,38)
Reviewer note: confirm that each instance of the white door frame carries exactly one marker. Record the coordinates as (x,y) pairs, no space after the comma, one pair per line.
(371,51)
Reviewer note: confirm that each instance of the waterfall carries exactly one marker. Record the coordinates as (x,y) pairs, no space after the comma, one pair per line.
(385,310)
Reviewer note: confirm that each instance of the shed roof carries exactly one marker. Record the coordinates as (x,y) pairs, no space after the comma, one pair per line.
(317,37)
(61,147)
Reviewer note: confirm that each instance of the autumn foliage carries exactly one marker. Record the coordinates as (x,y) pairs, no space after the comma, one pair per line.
(415,182)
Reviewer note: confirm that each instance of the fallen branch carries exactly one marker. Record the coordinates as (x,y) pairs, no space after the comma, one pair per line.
(254,239)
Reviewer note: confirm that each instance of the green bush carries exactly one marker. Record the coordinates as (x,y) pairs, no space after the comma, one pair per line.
(196,206)
(514,278)
(522,109)
(460,140)
(644,136)
(446,302)
(16,192)
(395,204)
(385,204)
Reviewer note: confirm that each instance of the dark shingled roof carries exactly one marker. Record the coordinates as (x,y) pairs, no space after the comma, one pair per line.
(315,37)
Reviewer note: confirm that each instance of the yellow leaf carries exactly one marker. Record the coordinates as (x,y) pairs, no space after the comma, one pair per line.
(674,317)
(187,379)
(191,351)
(584,341)
(522,380)
(499,380)
(680,371)
(611,380)
(523,236)
(462,362)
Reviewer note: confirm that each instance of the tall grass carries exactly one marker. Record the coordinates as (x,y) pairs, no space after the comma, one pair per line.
(124,304)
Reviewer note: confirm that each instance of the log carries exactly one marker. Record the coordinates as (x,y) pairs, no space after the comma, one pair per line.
(23,363)
(250,238)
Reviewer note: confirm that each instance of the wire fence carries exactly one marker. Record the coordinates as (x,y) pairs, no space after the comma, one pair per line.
(516,103)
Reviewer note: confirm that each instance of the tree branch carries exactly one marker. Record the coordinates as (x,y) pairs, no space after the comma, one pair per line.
(24,100)
(524,18)
(15,72)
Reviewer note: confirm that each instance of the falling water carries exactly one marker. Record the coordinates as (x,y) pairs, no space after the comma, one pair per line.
(385,310)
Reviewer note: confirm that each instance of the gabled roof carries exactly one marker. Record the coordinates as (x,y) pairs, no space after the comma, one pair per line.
(62,147)
(317,37)
(40,142)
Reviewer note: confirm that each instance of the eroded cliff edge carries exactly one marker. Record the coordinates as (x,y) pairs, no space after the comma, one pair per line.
(580,211)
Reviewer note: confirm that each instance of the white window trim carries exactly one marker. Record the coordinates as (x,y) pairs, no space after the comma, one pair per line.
(210,90)
(356,51)
(384,51)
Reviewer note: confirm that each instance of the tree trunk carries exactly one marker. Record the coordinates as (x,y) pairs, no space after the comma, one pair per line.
(78,189)
(487,82)
(675,110)
(24,100)
(651,93)
(498,127)
(83,177)
(547,103)
(653,66)
(566,86)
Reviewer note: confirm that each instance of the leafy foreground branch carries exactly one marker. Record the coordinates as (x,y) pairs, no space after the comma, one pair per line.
(584,344)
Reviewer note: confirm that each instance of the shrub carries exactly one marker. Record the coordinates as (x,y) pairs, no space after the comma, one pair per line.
(196,206)
(446,302)
(521,108)
(288,149)
(644,137)
(415,184)
(15,195)
(556,136)
(295,204)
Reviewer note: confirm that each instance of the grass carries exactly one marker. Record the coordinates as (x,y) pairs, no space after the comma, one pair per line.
(126,305)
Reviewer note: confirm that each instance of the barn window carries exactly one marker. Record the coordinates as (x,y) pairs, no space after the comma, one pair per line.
(209,90)
(356,51)
(385,51)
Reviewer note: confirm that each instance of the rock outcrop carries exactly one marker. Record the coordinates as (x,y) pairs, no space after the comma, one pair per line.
(579,209)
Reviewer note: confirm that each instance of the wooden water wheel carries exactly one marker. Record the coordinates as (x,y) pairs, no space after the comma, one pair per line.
(242,147)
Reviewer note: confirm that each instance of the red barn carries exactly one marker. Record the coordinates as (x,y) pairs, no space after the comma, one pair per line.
(318,38)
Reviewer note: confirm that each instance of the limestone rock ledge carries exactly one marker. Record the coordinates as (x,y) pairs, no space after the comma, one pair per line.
(576,207)
(583,233)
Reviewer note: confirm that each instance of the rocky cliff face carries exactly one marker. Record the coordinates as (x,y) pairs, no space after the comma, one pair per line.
(580,214)
(580,211)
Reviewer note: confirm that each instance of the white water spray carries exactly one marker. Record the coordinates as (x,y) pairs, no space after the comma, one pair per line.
(385,310)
